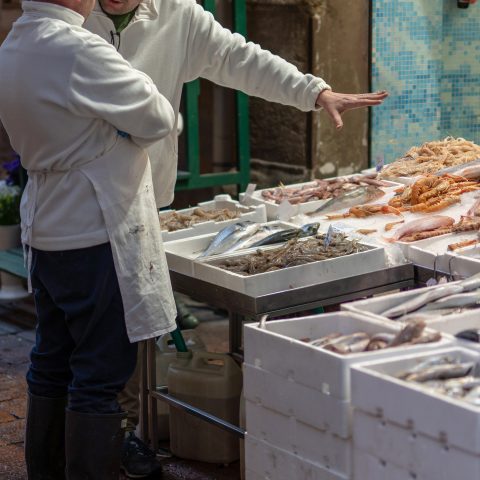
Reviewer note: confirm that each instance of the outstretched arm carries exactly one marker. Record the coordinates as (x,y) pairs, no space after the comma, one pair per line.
(335,104)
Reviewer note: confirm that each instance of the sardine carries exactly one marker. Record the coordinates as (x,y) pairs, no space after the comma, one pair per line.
(422,299)
(350,198)
(471,283)
(355,342)
(459,300)
(434,361)
(411,331)
(285,235)
(229,236)
(439,372)
(320,342)
(421,225)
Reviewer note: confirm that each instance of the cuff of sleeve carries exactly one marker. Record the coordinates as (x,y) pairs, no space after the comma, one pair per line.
(320,86)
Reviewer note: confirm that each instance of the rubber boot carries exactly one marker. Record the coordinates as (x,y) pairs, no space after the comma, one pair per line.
(93,445)
(45,438)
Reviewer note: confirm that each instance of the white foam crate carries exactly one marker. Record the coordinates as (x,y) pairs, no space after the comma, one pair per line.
(285,279)
(375,306)
(272,208)
(254,213)
(182,253)
(432,252)
(464,263)
(290,434)
(278,348)
(369,467)
(412,451)
(266,462)
(375,390)
(289,398)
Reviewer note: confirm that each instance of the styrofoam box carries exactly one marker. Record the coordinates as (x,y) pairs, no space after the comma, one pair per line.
(369,467)
(374,307)
(254,213)
(181,253)
(464,263)
(432,252)
(267,462)
(375,390)
(312,273)
(412,451)
(278,348)
(272,208)
(290,398)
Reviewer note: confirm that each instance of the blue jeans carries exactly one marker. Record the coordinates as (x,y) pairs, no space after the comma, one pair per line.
(82,348)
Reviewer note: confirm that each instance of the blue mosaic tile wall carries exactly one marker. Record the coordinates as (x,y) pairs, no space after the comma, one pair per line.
(426,53)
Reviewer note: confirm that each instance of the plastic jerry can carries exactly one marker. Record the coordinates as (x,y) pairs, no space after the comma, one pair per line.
(165,354)
(211,382)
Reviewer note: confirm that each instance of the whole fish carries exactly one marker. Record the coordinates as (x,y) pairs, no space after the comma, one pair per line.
(459,300)
(472,335)
(285,235)
(229,236)
(421,225)
(428,337)
(422,299)
(355,342)
(350,198)
(411,331)
(320,342)
(263,232)
(470,283)
(428,363)
(380,341)
(440,372)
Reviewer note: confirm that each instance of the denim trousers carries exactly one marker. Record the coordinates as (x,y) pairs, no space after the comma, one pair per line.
(82,349)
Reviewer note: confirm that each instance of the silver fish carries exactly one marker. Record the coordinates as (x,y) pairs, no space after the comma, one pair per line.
(350,198)
(422,299)
(320,342)
(411,331)
(355,342)
(285,235)
(428,363)
(263,232)
(471,283)
(454,301)
(439,372)
(229,236)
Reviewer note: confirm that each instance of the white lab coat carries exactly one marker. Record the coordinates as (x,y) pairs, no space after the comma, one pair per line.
(176,41)
(64,94)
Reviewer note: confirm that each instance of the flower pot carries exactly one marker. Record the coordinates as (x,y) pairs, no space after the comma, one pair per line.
(12,288)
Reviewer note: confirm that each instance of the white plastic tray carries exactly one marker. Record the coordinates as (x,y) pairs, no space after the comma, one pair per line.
(464,263)
(272,208)
(181,253)
(278,349)
(255,213)
(289,278)
(375,390)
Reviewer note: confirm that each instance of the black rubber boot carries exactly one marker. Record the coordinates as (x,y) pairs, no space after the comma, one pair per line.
(45,438)
(93,445)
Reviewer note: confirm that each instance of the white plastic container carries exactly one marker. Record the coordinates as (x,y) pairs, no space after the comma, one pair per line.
(303,440)
(412,451)
(376,391)
(254,213)
(278,348)
(266,462)
(166,354)
(182,253)
(289,278)
(272,208)
(369,467)
(464,263)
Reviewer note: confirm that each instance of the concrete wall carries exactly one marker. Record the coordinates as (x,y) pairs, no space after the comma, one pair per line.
(329,38)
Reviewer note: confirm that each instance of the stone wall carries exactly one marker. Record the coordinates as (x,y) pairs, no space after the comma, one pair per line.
(329,38)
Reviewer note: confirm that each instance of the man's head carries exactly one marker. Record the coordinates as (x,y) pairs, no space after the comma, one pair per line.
(83,7)
(118,7)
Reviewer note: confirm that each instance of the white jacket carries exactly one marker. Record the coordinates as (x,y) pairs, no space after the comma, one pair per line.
(176,41)
(64,93)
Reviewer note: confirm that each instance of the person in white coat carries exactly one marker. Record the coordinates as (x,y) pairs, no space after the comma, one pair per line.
(80,118)
(177,41)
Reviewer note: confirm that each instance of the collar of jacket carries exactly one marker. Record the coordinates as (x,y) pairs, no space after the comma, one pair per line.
(50,10)
(147,10)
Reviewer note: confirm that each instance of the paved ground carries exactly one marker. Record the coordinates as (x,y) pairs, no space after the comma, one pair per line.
(16,340)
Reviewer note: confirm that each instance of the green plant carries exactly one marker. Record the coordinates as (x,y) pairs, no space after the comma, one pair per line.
(9,204)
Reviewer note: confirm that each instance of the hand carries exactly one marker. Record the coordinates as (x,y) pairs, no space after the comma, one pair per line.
(337,103)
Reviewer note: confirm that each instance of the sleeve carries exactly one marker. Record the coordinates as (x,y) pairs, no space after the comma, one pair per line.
(104,85)
(227,59)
